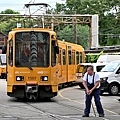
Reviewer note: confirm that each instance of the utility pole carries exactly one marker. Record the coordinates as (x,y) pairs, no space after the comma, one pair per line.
(52,23)
(75,29)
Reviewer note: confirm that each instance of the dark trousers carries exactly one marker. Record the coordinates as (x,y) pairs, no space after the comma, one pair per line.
(98,104)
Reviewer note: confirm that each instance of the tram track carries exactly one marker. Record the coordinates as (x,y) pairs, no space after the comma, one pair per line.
(62,117)
(50,115)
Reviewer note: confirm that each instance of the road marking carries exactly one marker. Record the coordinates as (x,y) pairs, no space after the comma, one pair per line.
(60,94)
(110,111)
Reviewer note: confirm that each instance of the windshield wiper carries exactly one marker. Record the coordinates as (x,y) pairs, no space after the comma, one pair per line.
(30,67)
(105,71)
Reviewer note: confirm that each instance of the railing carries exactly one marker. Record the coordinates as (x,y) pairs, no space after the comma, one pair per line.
(105,49)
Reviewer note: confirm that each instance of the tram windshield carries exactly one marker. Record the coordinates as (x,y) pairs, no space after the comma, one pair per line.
(32,49)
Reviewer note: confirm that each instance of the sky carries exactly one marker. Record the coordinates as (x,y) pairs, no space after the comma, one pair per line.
(18,5)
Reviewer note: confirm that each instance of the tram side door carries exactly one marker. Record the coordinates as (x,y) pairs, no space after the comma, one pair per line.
(60,65)
(64,77)
(10,62)
(73,65)
(69,66)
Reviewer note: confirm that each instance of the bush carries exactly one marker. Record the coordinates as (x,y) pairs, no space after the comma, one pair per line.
(92,58)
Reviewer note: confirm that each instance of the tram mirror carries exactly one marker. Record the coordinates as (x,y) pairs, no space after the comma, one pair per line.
(53,37)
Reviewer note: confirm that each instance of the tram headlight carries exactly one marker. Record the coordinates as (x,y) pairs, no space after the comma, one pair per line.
(44,78)
(19,78)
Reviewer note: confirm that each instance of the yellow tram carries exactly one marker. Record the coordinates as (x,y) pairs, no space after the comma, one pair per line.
(70,55)
(37,63)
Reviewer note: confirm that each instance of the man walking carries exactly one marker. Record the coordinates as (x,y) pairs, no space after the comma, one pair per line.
(91,82)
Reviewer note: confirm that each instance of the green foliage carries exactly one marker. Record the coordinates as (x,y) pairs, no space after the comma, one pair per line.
(7,25)
(60,8)
(67,33)
(93,58)
(9,11)
(109,21)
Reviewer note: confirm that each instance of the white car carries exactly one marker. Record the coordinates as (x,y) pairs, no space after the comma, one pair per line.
(110,78)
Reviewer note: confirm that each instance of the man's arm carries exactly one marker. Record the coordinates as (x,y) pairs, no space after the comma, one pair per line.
(96,85)
(85,85)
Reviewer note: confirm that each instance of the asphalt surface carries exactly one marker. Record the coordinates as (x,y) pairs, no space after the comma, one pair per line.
(68,105)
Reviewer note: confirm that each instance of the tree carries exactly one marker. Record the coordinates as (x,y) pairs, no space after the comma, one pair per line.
(7,25)
(109,21)
(60,8)
(67,33)
(9,11)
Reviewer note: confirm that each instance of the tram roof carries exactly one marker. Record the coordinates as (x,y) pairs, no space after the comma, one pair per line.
(33,29)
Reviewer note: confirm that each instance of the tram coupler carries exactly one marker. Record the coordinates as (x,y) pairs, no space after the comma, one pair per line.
(31,91)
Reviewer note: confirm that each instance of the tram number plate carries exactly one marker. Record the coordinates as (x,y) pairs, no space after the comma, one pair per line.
(31,78)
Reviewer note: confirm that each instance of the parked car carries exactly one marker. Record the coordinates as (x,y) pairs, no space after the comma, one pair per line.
(110,78)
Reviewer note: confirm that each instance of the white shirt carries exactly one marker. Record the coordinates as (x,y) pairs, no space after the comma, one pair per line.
(90,78)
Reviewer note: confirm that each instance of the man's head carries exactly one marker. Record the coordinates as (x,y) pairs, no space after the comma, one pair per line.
(90,70)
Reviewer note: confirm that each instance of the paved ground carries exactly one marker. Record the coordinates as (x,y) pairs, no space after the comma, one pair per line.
(68,105)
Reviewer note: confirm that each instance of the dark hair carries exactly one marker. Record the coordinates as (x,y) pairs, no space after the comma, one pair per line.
(91,67)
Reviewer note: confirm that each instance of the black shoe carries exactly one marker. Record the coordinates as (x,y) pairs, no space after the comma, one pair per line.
(101,115)
(85,115)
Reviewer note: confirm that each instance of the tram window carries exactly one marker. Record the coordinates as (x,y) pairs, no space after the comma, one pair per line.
(59,58)
(10,56)
(77,57)
(64,57)
(80,57)
(53,55)
(73,57)
(69,57)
